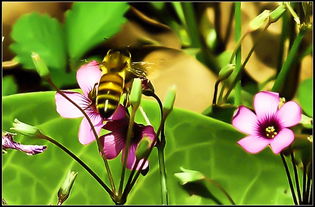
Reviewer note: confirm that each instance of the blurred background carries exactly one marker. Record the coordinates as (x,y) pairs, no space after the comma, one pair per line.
(156,33)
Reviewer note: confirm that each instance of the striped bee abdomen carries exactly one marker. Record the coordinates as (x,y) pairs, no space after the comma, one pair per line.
(110,89)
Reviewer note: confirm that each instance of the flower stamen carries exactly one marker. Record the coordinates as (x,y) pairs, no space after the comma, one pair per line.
(271,132)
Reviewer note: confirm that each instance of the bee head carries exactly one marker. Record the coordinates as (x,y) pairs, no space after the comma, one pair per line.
(117,60)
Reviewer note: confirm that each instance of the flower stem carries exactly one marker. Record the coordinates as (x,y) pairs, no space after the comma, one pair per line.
(222,189)
(289,178)
(129,186)
(163,176)
(127,146)
(236,74)
(87,168)
(285,69)
(296,177)
(161,146)
(308,185)
(216,85)
(111,180)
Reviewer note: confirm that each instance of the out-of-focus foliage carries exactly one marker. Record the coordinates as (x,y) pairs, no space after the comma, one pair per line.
(305,96)
(89,23)
(9,86)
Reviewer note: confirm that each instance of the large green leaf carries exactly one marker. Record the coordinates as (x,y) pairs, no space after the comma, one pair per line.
(305,96)
(41,34)
(194,142)
(88,23)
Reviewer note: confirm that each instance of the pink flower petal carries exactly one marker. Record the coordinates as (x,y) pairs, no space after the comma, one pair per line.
(131,161)
(119,114)
(112,145)
(148,131)
(284,138)
(86,134)
(253,144)
(66,109)
(289,114)
(87,76)
(266,104)
(245,120)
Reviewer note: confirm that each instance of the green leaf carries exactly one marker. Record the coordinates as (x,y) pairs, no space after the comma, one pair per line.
(88,23)
(305,96)
(9,86)
(41,34)
(192,140)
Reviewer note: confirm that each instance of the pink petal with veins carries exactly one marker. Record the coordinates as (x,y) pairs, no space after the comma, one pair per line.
(253,144)
(266,104)
(289,114)
(66,109)
(245,120)
(87,76)
(284,138)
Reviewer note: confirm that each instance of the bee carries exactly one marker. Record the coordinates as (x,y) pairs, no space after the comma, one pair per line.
(117,72)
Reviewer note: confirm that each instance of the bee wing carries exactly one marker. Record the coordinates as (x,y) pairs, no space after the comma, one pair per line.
(139,69)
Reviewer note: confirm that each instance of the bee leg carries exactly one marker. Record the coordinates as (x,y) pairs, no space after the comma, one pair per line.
(92,96)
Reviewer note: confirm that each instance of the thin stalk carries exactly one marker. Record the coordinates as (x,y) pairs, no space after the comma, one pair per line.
(222,189)
(304,183)
(9,64)
(127,146)
(164,189)
(297,184)
(221,93)
(289,178)
(145,158)
(309,183)
(87,168)
(111,180)
(191,25)
(286,67)
(216,85)
(161,146)
(236,74)
(282,40)
(310,198)
(238,61)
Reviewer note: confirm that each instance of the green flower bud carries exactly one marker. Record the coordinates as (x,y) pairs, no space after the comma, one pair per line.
(259,21)
(25,129)
(187,176)
(226,71)
(277,13)
(143,148)
(135,94)
(170,99)
(66,187)
(40,65)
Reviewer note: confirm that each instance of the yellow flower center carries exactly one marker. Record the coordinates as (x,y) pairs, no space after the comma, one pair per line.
(270,132)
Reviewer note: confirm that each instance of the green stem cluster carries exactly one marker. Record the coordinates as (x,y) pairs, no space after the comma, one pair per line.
(298,197)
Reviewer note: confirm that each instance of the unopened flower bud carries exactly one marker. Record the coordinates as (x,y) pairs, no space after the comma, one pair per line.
(143,148)
(66,187)
(277,13)
(25,129)
(226,71)
(169,100)
(9,143)
(40,66)
(135,94)
(260,21)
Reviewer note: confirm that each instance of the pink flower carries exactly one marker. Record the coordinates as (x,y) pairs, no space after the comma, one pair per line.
(87,76)
(114,142)
(269,126)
